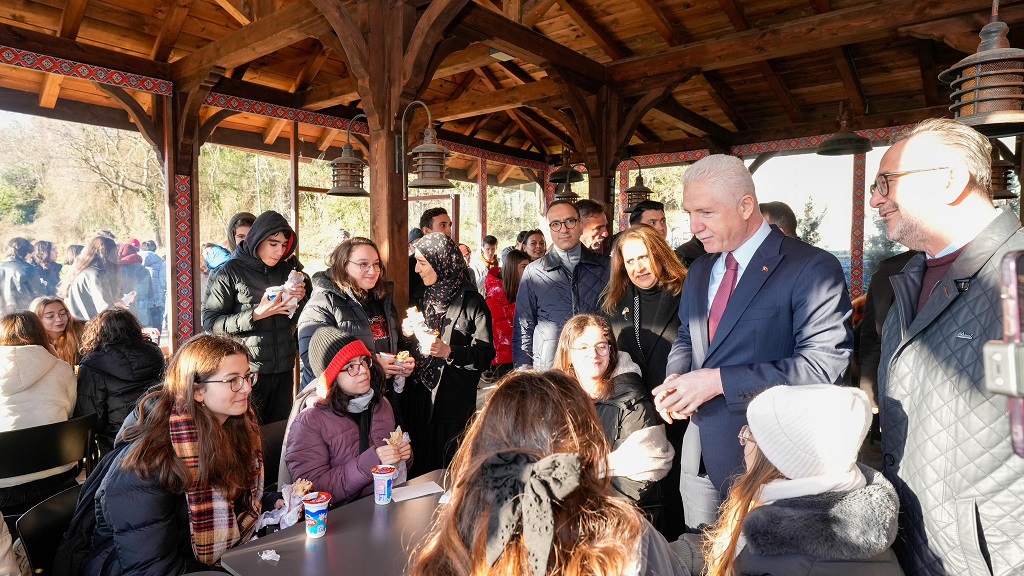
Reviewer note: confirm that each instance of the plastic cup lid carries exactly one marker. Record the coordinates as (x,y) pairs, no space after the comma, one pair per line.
(383,469)
(317,498)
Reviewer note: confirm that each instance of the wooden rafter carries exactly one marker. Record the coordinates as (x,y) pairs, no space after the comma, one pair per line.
(170,30)
(70,23)
(544,125)
(326,138)
(516,72)
(845,66)
(929,76)
(646,135)
(285,27)
(513,10)
(739,21)
(491,81)
(809,34)
(657,18)
(711,84)
(675,113)
(239,10)
(505,172)
(477,103)
(961,32)
(306,75)
(463,85)
(534,10)
(593,29)
(472,127)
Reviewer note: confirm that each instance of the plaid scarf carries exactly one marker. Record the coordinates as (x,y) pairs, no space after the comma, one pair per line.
(211,516)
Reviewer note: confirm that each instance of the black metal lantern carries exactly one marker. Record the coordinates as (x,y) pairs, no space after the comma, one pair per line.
(845,141)
(347,169)
(428,159)
(564,191)
(565,173)
(638,192)
(1001,177)
(988,86)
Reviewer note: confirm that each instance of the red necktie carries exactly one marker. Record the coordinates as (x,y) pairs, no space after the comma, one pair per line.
(725,290)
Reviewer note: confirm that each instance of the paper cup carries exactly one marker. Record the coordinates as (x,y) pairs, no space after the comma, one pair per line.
(383,478)
(315,504)
(426,340)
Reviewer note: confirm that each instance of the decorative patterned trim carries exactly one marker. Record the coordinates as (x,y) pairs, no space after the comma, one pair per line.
(857,229)
(70,68)
(549,189)
(183,256)
(623,184)
(493,156)
(874,134)
(481,180)
(667,158)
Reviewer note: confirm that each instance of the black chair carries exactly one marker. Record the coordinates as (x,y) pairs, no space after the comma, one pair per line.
(273,442)
(44,447)
(42,528)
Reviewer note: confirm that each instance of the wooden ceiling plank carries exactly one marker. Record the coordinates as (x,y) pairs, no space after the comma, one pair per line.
(710,83)
(481,103)
(679,115)
(506,132)
(846,67)
(283,28)
(516,72)
(463,85)
(492,83)
(545,126)
(809,34)
(533,12)
(657,18)
(326,139)
(472,127)
(50,90)
(170,30)
(593,29)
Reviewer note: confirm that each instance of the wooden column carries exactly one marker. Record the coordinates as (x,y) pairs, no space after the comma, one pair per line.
(481,181)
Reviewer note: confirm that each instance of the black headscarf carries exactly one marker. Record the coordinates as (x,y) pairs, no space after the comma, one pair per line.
(444,257)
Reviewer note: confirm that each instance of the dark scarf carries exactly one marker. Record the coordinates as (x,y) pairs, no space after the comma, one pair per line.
(444,257)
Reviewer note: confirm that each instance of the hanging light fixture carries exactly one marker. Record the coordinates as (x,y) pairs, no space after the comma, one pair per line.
(845,141)
(347,169)
(1001,177)
(565,173)
(988,86)
(428,159)
(564,191)
(638,192)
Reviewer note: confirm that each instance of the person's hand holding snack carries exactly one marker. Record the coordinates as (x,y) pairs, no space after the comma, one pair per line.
(268,307)
(388,454)
(439,349)
(397,439)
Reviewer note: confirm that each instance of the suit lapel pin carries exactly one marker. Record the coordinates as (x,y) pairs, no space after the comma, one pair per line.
(764,269)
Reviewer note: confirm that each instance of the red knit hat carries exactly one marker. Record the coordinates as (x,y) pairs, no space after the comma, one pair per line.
(330,350)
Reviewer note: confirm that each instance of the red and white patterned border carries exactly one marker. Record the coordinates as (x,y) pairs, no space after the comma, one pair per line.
(623,184)
(481,181)
(857,228)
(873,134)
(182,256)
(70,68)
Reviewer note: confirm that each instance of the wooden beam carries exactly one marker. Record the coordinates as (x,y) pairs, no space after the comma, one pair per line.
(710,83)
(212,121)
(657,18)
(675,113)
(239,10)
(463,85)
(326,138)
(66,110)
(532,12)
(929,77)
(900,118)
(505,172)
(545,126)
(481,103)
(516,72)
(309,69)
(283,28)
(593,29)
(71,19)
(480,24)
(471,128)
(961,32)
(506,132)
(170,30)
(489,146)
(138,115)
(50,90)
(845,66)
(33,41)
(273,130)
(513,10)
(872,22)
(491,81)
(646,135)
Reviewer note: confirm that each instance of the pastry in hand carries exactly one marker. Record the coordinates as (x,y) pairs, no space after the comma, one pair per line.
(396,437)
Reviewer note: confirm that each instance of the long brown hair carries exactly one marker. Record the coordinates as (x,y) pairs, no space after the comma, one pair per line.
(720,546)
(226,451)
(101,253)
(537,414)
(572,330)
(113,327)
(69,344)
(664,264)
(511,275)
(23,329)
(41,254)
(338,261)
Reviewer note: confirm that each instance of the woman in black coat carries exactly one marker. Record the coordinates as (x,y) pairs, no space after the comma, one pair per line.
(119,365)
(354,296)
(454,347)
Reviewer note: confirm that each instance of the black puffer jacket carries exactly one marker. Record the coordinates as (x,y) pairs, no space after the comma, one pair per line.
(331,306)
(111,380)
(237,289)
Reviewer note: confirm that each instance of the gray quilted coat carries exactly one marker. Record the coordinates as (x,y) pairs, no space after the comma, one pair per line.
(946,441)
(548,296)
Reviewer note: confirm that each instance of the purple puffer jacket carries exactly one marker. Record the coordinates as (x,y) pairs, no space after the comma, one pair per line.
(324,449)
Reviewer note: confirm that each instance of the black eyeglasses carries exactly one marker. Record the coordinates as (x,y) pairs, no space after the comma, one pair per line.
(236,382)
(365,267)
(881,184)
(359,366)
(745,436)
(569,224)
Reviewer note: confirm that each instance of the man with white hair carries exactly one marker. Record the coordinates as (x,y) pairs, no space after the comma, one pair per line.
(945,438)
(761,309)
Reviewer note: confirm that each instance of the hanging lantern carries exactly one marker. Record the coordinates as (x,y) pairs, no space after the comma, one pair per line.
(564,191)
(845,141)
(1001,178)
(347,169)
(565,173)
(988,86)
(428,159)
(638,192)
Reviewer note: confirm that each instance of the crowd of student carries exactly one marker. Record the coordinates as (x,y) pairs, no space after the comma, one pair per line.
(657,412)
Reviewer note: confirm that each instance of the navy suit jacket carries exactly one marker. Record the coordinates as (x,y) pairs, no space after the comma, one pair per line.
(787,323)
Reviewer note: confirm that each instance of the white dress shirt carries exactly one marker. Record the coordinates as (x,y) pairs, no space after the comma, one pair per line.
(743,254)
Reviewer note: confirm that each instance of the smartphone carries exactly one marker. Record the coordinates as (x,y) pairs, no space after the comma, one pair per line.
(1004,359)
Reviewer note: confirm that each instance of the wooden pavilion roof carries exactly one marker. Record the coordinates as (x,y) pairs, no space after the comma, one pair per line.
(751,70)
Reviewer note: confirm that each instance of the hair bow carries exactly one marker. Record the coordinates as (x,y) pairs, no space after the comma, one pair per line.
(523,493)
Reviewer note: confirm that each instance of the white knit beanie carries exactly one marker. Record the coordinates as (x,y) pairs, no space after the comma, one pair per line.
(810,430)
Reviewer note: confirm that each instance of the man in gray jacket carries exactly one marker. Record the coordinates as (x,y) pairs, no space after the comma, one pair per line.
(945,439)
(567,281)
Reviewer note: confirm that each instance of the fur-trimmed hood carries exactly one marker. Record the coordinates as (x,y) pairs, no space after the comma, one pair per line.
(851,525)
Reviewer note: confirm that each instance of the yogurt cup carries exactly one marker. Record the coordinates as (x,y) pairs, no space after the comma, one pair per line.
(383,478)
(316,504)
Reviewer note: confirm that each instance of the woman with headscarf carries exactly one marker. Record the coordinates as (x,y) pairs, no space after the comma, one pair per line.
(442,396)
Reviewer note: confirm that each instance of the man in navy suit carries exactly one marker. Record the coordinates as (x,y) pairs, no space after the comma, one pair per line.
(759,310)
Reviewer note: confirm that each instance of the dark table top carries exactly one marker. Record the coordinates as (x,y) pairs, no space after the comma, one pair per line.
(362,538)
